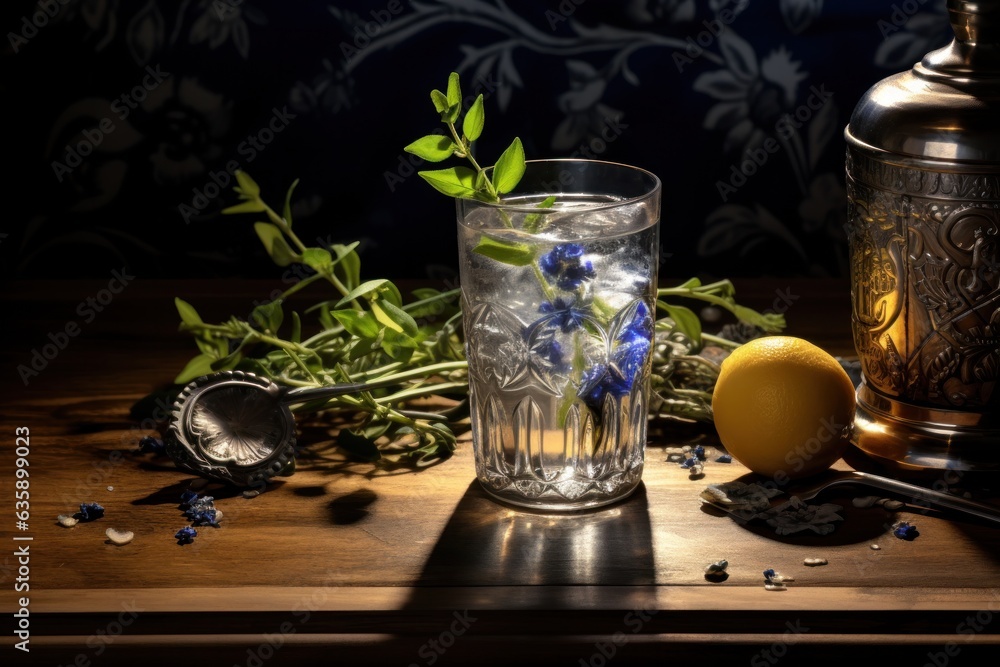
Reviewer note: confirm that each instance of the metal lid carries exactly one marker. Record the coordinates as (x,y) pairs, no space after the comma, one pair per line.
(947,108)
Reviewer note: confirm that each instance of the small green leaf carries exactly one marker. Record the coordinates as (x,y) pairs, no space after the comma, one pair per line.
(275,244)
(770,323)
(247,185)
(287,211)
(248,206)
(506,252)
(433,148)
(187,312)
(399,316)
(453,181)
(361,290)
(357,322)
(358,445)
(454,90)
(397,345)
(318,259)
(296,328)
(200,365)
(472,126)
(685,319)
(384,317)
(533,222)
(440,101)
(348,265)
(690,283)
(268,316)
(509,168)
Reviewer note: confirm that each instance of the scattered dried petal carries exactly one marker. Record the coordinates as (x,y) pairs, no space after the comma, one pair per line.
(89,512)
(815,562)
(186,535)
(717,566)
(698,452)
(251,493)
(151,445)
(775,587)
(119,537)
(904,530)
(874,547)
(724,458)
(67,520)
(893,505)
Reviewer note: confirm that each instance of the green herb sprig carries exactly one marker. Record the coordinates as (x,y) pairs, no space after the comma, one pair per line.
(461,181)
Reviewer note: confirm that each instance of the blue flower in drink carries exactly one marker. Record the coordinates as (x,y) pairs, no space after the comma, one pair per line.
(631,348)
(565,314)
(564,266)
(551,351)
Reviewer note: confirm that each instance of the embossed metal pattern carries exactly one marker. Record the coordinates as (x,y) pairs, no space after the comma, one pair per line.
(233,427)
(925,285)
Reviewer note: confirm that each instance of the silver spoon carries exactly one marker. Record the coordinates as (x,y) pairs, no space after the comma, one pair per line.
(238,427)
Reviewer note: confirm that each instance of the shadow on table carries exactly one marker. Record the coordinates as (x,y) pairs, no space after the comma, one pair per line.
(486,543)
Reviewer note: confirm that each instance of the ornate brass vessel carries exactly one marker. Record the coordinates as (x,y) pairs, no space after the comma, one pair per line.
(923,183)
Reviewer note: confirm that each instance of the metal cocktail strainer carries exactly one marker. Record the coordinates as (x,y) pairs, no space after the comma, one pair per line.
(238,427)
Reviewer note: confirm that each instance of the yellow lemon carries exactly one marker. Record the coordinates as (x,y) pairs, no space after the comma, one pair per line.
(782,407)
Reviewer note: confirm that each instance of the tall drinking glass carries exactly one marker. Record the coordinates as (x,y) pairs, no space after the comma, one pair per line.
(558,299)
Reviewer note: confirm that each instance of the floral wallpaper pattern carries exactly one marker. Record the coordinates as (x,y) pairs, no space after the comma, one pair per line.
(131,116)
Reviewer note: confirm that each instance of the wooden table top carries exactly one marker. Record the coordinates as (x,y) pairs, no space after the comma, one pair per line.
(368,566)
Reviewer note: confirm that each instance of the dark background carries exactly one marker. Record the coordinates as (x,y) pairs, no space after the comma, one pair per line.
(558,74)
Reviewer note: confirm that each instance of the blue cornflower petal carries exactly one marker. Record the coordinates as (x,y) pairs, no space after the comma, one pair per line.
(698,452)
(690,463)
(769,574)
(550,350)
(188,497)
(89,512)
(904,530)
(185,535)
(567,317)
(563,266)
(150,445)
(724,458)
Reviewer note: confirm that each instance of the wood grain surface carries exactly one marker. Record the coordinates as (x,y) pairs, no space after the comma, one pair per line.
(350,563)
